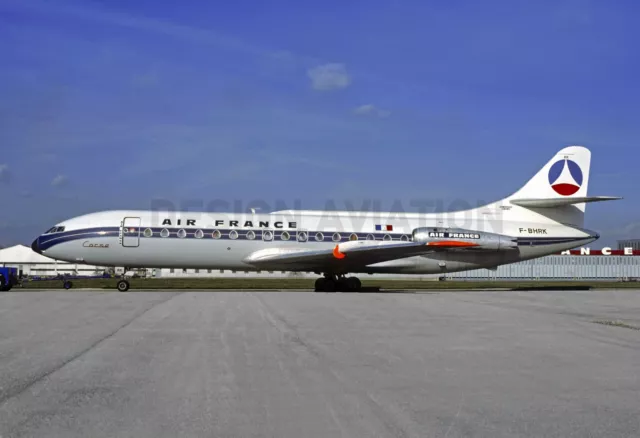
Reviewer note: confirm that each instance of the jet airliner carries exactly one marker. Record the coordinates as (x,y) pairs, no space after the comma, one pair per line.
(544,217)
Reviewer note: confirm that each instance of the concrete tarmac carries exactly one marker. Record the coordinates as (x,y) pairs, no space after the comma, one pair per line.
(287,364)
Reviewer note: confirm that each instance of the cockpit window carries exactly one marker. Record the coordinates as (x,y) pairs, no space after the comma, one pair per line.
(54,230)
(59,229)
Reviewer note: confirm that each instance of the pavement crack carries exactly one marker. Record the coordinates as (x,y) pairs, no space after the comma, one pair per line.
(25,386)
(394,421)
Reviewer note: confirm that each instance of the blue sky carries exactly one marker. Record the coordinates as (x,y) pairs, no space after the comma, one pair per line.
(119,104)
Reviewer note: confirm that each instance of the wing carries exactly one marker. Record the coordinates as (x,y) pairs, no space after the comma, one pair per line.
(347,255)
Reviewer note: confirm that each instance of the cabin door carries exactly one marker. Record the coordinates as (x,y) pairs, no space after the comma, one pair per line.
(130,231)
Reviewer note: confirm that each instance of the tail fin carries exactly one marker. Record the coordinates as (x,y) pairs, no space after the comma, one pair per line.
(566,175)
(559,190)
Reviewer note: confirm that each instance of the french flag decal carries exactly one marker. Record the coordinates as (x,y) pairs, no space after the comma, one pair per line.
(384,227)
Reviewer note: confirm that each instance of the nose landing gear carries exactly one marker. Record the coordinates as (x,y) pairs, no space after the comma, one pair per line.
(333,283)
(123,284)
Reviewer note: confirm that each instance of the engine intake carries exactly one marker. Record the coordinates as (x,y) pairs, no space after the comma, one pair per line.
(469,239)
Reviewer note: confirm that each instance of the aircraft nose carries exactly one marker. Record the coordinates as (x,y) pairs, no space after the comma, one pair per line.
(35,246)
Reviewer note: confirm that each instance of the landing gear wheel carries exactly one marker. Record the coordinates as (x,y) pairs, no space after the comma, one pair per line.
(67,284)
(329,285)
(319,285)
(123,285)
(354,284)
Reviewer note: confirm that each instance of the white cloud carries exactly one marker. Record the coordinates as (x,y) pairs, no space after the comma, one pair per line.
(190,34)
(329,77)
(5,175)
(371,110)
(59,181)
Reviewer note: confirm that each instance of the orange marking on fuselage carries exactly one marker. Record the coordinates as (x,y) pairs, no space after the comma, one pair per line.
(455,243)
(337,254)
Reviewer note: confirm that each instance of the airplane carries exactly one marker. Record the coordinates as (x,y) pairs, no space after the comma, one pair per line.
(544,217)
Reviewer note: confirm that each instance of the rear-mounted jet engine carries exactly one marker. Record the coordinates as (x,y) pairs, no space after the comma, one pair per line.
(463,239)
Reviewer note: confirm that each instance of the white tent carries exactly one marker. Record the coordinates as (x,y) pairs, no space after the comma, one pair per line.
(23,255)
(29,262)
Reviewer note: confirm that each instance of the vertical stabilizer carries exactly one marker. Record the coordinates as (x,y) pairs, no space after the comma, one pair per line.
(566,175)
(561,184)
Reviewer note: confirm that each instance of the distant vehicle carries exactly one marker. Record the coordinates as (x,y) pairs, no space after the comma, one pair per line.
(8,278)
(543,217)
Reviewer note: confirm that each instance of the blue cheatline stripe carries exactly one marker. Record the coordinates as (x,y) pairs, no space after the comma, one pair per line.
(57,236)
(46,244)
(49,240)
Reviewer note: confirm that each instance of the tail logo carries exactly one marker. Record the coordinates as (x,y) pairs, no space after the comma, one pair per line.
(565,177)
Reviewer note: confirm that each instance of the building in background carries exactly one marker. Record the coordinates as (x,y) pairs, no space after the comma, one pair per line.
(629,243)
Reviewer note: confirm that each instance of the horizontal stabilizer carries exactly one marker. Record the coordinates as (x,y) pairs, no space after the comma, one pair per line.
(558,202)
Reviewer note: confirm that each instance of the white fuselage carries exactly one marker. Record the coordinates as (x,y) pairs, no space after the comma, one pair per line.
(224,240)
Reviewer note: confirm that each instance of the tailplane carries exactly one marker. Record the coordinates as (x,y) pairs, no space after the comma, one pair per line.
(557,202)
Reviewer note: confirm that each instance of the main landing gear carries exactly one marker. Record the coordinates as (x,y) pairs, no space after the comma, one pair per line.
(333,283)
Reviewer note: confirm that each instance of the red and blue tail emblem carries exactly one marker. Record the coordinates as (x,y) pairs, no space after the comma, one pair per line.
(565,177)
